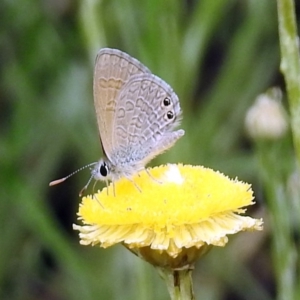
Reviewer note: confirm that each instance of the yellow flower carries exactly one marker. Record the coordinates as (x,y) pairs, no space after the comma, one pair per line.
(170,219)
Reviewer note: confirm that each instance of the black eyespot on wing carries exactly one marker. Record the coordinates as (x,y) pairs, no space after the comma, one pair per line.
(167,101)
(170,115)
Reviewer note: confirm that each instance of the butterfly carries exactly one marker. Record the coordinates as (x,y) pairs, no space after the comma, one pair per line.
(136,112)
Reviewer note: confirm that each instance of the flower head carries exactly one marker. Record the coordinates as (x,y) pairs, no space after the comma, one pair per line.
(177,216)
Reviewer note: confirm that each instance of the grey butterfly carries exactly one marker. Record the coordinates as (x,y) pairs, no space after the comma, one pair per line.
(136,112)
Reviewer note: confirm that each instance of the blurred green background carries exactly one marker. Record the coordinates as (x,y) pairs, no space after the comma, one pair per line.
(218,56)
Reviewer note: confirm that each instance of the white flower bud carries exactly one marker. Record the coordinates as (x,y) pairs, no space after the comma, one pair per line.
(267,119)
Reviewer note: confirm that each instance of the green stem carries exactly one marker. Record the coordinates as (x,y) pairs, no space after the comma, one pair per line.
(92,30)
(290,64)
(179,283)
(284,251)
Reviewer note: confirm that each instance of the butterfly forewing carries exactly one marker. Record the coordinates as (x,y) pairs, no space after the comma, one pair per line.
(113,69)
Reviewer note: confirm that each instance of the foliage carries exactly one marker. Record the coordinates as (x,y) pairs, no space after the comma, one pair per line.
(217,55)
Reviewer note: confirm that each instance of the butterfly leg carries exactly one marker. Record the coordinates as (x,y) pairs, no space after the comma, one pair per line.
(137,187)
(94,185)
(154,179)
(86,186)
(114,189)
(95,196)
(106,182)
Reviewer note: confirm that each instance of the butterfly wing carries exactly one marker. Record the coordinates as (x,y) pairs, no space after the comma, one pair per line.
(147,112)
(113,68)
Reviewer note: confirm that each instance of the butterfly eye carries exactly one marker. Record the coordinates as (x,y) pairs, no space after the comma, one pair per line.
(167,101)
(170,115)
(103,169)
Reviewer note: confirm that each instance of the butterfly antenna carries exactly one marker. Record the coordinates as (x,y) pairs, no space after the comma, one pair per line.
(58,181)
